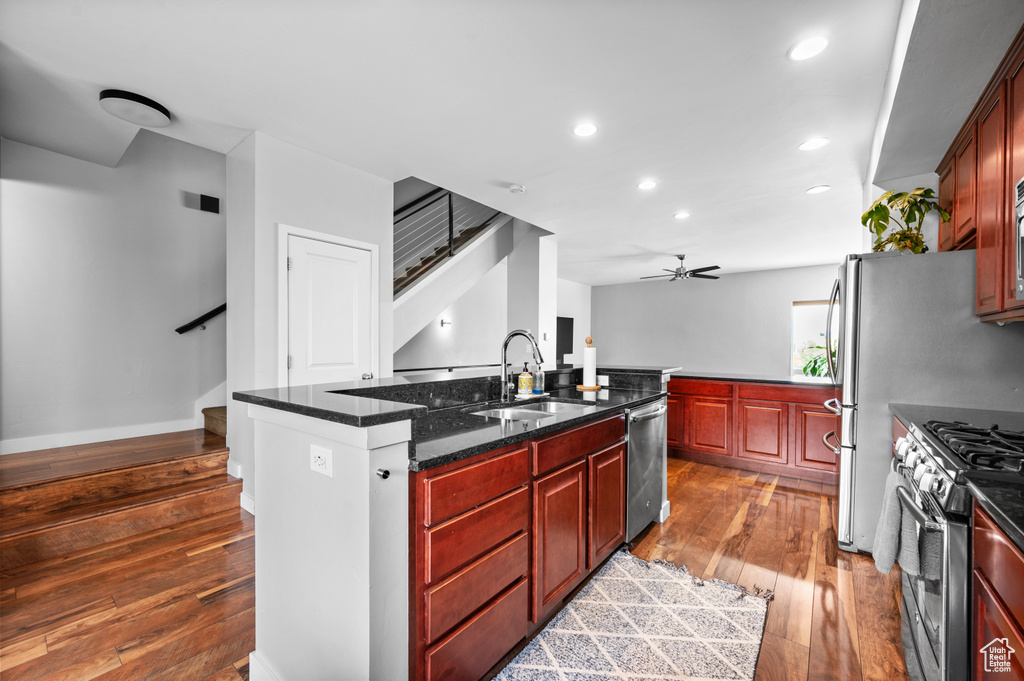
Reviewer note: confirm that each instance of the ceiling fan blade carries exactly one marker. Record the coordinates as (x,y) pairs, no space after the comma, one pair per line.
(666,270)
(690,274)
(659,276)
(709,268)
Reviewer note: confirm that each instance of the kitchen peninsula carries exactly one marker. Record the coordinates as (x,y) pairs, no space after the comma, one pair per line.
(422,545)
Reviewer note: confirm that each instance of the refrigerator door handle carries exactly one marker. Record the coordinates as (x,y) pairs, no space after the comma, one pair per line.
(836,449)
(833,299)
(833,406)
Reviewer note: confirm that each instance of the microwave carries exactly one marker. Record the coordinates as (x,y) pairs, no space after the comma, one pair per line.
(1018,234)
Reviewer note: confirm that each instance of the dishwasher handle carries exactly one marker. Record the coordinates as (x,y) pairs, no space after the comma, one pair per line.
(649,415)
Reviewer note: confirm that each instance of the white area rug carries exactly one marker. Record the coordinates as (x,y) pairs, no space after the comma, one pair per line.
(646,621)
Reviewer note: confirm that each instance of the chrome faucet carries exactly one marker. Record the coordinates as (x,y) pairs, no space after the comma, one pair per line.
(504,354)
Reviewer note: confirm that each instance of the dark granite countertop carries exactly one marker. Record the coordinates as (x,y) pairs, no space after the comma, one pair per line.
(1001,499)
(439,406)
(754,378)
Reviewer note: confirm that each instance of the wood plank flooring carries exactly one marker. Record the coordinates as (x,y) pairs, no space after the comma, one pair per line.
(171,604)
(834,617)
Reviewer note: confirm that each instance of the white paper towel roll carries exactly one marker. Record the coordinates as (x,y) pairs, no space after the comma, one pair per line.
(589,367)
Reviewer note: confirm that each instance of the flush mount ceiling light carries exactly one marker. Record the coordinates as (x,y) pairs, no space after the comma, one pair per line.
(814,143)
(805,49)
(647,184)
(134,108)
(819,189)
(584,129)
(681,215)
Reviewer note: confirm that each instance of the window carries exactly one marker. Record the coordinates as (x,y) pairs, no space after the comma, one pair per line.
(808,344)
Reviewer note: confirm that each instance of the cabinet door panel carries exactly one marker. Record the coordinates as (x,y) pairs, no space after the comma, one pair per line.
(963,227)
(1001,561)
(762,431)
(708,425)
(812,423)
(607,503)
(560,535)
(675,421)
(991,188)
(1015,163)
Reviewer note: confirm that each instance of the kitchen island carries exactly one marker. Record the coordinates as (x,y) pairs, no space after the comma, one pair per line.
(429,525)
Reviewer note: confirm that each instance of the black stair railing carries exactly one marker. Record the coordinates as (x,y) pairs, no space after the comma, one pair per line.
(201,320)
(432,228)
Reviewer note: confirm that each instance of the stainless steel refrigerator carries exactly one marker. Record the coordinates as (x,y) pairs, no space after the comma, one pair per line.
(907,334)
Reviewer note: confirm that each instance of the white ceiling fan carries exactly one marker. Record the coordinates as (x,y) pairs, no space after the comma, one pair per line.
(682,273)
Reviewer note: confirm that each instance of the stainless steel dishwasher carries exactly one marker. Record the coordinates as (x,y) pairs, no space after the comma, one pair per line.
(647,477)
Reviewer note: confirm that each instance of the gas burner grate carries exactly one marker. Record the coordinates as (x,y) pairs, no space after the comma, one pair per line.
(982,448)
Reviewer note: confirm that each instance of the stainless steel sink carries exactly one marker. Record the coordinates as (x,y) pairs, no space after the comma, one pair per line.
(513,414)
(555,407)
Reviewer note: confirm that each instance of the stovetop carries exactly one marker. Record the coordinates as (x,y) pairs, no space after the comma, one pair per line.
(981,447)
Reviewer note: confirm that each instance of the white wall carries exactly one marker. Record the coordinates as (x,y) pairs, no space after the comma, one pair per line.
(533,292)
(97,267)
(574,301)
(737,324)
(271,182)
(479,325)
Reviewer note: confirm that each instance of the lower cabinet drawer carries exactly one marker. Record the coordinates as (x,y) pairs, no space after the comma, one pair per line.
(559,449)
(472,649)
(1001,562)
(457,597)
(463,539)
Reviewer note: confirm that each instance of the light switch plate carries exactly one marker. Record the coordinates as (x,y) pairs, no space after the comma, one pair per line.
(602,380)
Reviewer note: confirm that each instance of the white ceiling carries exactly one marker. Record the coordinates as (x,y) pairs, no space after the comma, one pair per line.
(477,95)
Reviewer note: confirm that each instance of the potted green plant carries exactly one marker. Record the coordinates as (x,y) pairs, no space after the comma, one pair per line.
(815,362)
(906,231)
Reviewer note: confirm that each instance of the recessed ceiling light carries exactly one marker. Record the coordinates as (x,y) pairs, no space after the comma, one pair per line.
(819,189)
(681,215)
(134,108)
(805,49)
(814,143)
(647,184)
(584,129)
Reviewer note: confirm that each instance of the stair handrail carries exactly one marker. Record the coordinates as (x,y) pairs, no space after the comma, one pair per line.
(449,368)
(201,320)
(430,197)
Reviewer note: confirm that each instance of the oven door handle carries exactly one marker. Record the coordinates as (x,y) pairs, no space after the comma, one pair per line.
(922,518)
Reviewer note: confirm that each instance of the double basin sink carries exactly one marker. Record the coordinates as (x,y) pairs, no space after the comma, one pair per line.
(533,411)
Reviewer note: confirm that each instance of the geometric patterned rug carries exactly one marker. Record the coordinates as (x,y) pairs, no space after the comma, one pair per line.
(642,620)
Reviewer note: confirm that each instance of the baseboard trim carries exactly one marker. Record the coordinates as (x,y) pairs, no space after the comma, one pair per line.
(84,437)
(247,503)
(234,469)
(259,670)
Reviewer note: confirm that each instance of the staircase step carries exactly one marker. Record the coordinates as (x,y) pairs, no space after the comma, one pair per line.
(58,501)
(36,537)
(216,420)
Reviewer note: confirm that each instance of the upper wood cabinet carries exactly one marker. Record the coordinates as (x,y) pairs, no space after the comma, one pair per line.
(947,192)
(977,177)
(965,162)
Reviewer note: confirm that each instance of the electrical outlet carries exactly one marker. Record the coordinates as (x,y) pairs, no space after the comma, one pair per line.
(602,381)
(321,460)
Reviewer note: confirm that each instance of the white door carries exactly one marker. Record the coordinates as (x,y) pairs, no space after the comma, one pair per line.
(330,312)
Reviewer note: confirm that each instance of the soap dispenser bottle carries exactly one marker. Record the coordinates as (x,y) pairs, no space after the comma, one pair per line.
(525,381)
(538,380)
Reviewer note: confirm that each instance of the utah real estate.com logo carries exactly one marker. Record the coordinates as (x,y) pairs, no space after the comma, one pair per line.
(997,655)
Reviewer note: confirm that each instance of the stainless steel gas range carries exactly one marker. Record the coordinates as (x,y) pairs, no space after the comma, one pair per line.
(942,449)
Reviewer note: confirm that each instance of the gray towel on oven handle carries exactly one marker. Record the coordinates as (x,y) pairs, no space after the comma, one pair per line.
(896,536)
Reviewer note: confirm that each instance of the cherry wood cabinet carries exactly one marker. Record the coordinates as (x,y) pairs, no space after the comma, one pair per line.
(977,177)
(947,192)
(991,179)
(499,540)
(770,427)
(675,420)
(607,508)
(966,186)
(559,535)
(998,596)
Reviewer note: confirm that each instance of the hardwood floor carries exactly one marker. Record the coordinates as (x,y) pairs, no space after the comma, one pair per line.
(171,604)
(833,616)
